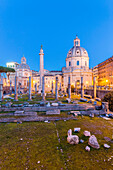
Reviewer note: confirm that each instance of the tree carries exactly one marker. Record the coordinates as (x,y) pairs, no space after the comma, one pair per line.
(6,69)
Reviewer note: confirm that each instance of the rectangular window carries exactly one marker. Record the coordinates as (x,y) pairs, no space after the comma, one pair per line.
(77,63)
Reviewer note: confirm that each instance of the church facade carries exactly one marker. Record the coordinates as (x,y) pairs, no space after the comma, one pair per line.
(77,66)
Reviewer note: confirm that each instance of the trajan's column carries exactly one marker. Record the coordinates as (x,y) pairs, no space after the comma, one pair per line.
(41,54)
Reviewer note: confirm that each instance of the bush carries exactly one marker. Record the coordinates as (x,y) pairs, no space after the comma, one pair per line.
(109,98)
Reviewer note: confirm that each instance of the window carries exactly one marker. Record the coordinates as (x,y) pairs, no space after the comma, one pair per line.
(76,43)
(69,63)
(85,63)
(77,63)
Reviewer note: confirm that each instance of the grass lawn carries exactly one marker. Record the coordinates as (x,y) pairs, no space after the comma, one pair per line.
(34,145)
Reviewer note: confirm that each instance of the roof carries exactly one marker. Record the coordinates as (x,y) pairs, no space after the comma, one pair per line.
(23,66)
(77,51)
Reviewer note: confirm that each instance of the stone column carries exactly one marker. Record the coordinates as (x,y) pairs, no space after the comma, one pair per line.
(94,87)
(69,88)
(30,97)
(82,87)
(43,88)
(60,87)
(19,88)
(1,87)
(52,88)
(27,86)
(41,68)
(10,87)
(75,87)
(56,89)
(16,96)
(35,87)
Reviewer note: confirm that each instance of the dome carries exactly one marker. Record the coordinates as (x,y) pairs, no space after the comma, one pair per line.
(23,64)
(77,51)
(77,56)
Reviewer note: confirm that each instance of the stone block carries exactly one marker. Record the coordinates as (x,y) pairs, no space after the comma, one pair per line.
(54,104)
(77,129)
(69,133)
(87,133)
(73,139)
(53,112)
(19,112)
(87,148)
(93,142)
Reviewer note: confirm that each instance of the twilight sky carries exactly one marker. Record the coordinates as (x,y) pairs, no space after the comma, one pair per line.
(26,24)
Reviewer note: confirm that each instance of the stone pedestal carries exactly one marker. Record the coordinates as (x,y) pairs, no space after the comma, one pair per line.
(69,88)
(30,97)
(56,89)
(94,87)
(16,96)
(82,87)
(43,88)
(1,88)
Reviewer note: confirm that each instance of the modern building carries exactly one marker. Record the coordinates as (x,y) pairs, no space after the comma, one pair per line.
(12,65)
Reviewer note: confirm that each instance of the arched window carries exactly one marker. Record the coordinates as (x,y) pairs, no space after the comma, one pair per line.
(76,43)
(77,63)
(69,63)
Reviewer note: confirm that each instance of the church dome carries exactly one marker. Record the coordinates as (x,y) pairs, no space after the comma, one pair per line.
(76,50)
(77,56)
(23,64)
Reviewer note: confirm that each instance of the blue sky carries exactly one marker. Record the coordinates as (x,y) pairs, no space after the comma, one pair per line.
(26,24)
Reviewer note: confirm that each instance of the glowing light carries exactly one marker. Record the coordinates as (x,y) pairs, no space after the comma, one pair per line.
(106,81)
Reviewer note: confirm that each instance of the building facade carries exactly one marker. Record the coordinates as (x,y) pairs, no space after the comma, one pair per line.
(77,66)
(105,73)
